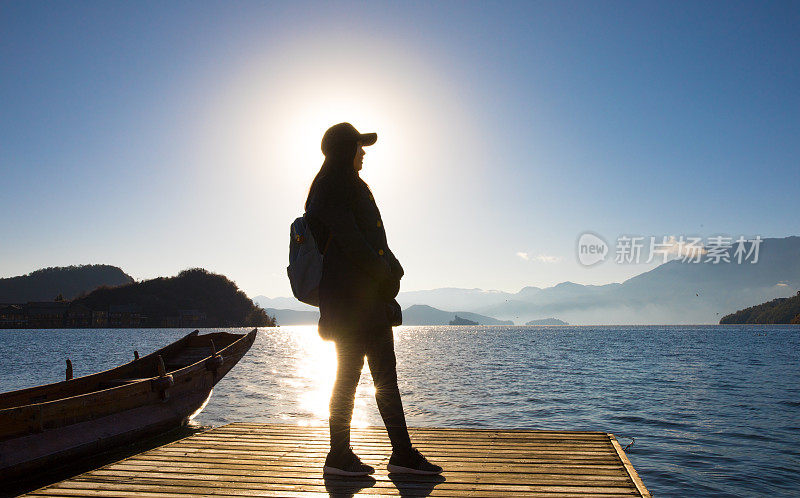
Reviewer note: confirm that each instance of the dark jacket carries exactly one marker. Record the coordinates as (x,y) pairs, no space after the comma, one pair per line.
(360,274)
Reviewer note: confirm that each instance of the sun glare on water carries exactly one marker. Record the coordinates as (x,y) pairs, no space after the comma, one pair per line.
(314,377)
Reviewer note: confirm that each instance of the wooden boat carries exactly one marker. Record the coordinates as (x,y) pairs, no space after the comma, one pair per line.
(50,424)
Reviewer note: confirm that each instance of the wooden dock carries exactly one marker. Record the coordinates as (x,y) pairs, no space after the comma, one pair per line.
(286,460)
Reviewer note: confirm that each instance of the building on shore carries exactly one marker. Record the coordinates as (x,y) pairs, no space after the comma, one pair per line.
(46,315)
(99,319)
(192,318)
(76,315)
(12,316)
(125,315)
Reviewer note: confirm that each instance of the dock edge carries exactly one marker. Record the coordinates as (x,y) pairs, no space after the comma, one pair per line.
(637,481)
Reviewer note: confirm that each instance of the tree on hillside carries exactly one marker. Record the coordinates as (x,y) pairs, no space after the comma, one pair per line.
(223,303)
(781,310)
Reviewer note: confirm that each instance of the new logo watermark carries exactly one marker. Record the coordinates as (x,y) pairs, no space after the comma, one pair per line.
(632,249)
(592,249)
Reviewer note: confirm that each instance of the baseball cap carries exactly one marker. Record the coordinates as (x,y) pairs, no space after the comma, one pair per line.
(343,133)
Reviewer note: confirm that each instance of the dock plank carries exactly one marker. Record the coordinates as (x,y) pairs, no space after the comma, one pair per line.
(245,459)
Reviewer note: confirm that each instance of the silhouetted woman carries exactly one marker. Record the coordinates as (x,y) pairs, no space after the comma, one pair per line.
(360,279)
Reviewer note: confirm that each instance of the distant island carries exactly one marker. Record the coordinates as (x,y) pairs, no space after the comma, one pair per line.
(420,314)
(462,321)
(194,298)
(547,321)
(781,310)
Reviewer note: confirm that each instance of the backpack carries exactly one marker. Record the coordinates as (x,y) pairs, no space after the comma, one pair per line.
(305,262)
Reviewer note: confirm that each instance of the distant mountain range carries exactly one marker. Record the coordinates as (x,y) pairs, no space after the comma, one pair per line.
(69,282)
(418,314)
(675,292)
(282,303)
(292,317)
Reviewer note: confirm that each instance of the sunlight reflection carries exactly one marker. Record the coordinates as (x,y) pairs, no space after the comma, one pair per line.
(197,412)
(314,375)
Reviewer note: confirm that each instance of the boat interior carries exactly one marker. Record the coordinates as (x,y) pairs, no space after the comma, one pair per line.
(186,351)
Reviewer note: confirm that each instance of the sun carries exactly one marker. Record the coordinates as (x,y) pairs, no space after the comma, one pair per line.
(267,123)
(304,131)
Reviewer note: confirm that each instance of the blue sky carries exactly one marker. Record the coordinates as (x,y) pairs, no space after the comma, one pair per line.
(159,136)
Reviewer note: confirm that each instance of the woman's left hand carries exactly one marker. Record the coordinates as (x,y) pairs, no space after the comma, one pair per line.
(394,264)
(390,288)
(394,313)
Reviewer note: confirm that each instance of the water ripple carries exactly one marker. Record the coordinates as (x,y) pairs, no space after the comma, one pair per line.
(715,410)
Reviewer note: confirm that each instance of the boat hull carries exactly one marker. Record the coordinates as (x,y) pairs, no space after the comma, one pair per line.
(60,430)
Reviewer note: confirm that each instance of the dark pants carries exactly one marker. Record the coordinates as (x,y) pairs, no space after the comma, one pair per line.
(383,366)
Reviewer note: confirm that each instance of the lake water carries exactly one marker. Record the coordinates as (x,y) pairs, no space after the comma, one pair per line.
(715,410)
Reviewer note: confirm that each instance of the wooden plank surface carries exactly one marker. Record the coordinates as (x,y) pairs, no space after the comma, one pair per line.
(286,460)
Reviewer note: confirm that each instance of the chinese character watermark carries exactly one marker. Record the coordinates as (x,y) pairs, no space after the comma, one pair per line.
(634,249)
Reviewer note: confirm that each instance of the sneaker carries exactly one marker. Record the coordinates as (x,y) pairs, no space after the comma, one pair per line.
(411,462)
(346,464)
